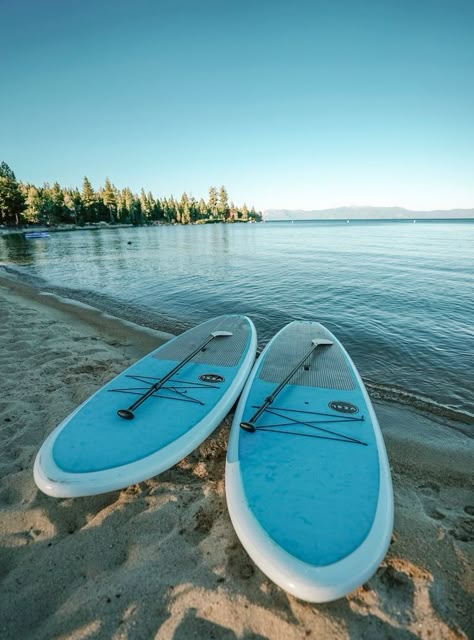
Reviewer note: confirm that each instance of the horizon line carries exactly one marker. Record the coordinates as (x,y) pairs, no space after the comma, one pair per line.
(356,207)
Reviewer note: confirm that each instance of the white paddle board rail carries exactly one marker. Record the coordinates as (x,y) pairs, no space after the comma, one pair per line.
(183,391)
(308,482)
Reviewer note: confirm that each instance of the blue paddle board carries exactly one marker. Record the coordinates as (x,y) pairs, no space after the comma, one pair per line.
(183,390)
(308,482)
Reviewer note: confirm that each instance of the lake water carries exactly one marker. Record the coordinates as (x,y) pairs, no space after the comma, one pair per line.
(398,295)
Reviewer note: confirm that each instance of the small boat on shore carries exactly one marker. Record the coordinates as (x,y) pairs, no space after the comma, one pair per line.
(32,235)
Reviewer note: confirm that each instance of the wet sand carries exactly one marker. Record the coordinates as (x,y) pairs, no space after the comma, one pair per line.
(160,559)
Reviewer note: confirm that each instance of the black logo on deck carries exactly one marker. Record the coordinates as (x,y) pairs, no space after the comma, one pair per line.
(211,377)
(343,407)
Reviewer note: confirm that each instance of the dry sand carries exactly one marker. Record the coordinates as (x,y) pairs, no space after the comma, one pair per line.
(160,559)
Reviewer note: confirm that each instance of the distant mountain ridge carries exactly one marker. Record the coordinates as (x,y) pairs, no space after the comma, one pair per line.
(364,213)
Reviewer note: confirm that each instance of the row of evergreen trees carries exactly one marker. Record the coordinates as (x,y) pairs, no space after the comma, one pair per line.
(23,203)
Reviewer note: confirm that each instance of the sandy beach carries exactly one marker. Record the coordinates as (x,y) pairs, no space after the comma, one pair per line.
(161,559)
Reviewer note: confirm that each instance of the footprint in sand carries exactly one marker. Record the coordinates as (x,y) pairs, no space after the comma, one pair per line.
(398,589)
(430,500)
(463,530)
(430,489)
(433,512)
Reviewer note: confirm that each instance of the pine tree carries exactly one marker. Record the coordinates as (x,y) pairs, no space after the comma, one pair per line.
(151,206)
(88,195)
(12,200)
(165,209)
(136,214)
(173,210)
(109,198)
(158,210)
(58,211)
(73,202)
(213,202)
(145,205)
(253,215)
(89,200)
(224,203)
(202,209)
(184,209)
(120,206)
(126,201)
(233,213)
(193,209)
(46,206)
(33,203)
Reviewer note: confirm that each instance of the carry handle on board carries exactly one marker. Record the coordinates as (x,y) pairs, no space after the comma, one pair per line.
(250,424)
(128,414)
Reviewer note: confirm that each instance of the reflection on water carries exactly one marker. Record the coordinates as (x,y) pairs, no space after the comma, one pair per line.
(398,295)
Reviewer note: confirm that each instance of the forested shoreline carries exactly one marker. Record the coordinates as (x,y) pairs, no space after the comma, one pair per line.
(27,204)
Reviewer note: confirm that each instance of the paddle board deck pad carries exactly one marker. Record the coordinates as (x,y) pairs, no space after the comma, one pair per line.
(309,491)
(94,450)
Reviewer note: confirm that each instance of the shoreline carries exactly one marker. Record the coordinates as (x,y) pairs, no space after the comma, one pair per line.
(97,226)
(61,228)
(146,339)
(33,286)
(160,559)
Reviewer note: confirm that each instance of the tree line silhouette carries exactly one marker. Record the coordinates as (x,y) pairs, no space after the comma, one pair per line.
(23,204)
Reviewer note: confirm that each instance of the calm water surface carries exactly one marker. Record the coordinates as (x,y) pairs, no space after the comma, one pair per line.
(398,295)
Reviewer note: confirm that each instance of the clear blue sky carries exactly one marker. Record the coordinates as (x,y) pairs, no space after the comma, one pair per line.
(296,104)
